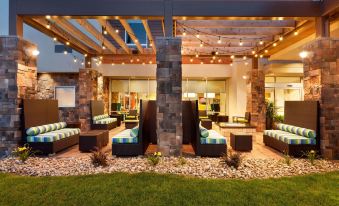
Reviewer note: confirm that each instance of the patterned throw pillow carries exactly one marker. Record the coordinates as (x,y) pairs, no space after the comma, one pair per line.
(134,132)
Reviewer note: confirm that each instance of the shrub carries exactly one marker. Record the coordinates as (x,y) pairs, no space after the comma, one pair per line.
(312,156)
(154,159)
(99,158)
(232,159)
(182,161)
(287,159)
(23,153)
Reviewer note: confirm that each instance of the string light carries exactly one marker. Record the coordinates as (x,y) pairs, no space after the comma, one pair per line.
(67,43)
(261,56)
(103,46)
(232,57)
(150,44)
(48,17)
(82,63)
(55,39)
(216,53)
(104,31)
(131,60)
(197,55)
(213,57)
(261,42)
(123,63)
(240,43)
(231,64)
(219,40)
(150,62)
(256,55)
(201,62)
(246,63)
(65,52)
(266,51)
(75,60)
(101,57)
(197,35)
(296,33)
(201,44)
(191,60)
(244,57)
(89,63)
(184,33)
(219,60)
(138,60)
(253,51)
(281,38)
(48,26)
(113,64)
(85,55)
(274,44)
(117,31)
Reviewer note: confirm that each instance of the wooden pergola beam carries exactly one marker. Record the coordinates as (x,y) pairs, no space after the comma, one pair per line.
(110,30)
(66,25)
(62,35)
(233,31)
(238,23)
(98,35)
(149,34)
(130,32)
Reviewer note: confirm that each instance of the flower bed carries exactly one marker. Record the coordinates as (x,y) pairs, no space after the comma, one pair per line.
(197,167)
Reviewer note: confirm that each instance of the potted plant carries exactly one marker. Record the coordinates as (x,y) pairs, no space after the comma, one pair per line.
(270,112)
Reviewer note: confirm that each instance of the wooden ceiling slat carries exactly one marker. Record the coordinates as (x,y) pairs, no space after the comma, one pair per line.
(114,35)
(62,35)
(98,35)
(130,32)
(149,34)
(66,25)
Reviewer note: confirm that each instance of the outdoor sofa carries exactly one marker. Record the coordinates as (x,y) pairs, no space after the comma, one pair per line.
(204,142)
(135,141)
(300,131)
(101,121)
(43,131)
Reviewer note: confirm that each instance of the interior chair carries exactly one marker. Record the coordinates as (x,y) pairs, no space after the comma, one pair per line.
(246,119)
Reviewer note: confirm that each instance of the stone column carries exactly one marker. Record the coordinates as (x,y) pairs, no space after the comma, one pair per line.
(321,83)
(18,80)
(256,95)
(169,88)
(90,88)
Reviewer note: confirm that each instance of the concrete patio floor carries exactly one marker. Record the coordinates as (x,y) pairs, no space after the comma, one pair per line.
(259,151)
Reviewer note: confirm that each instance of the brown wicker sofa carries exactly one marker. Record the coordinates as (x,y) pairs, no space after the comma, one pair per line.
(42,130)
(299,115)
(98,109)
(134,146)
(191,123)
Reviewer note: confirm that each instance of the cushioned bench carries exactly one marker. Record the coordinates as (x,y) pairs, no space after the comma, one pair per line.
(128,136)
(103,122)
(211,143)
(52,138)
(290,139)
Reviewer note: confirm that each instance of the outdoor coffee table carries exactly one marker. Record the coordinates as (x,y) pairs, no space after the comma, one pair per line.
(207,123)
(129,124)
(241,141)
(93,139)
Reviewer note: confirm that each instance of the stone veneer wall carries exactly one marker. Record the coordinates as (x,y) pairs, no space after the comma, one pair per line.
(256,96)
(90,88)
(321,83)
(46,86)
(18,80)
(169,88)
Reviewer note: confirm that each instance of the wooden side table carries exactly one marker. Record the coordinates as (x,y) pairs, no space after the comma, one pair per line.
(93,139)
(241,141)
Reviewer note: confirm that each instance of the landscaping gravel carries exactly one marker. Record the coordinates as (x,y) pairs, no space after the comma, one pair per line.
(197,167)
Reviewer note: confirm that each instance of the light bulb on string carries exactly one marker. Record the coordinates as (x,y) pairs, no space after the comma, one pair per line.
(197,35)
(197,55)
(184,33)
(275,44)
(241,43)
(219,40)
(281,38)
(191,60)
(261,42)
(296,33)
(75,60)
(65,52)
(253,51)
(55,39)
(117,31)
(201,44)
(266,51)
(48,26)
(232,57)
(244,57)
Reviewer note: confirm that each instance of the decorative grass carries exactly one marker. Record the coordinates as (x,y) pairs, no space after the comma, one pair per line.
(153,189)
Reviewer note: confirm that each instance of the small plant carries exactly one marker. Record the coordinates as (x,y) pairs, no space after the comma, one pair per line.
(23,153)
(232,159)
(312,156)
(154,159)
(287,159)
(182,161)
(99,158)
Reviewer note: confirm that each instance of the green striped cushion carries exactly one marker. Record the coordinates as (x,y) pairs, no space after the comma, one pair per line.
(124,137)
(53,135)
(99,117)
(213,138)
(203,132)
(105,121)
(289,138)
(297,130)
(134,132)
(45,128)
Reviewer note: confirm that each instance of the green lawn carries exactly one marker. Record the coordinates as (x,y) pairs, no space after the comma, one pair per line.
(152,189)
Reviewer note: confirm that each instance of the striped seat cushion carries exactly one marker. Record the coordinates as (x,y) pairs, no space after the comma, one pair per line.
(99,117)
(53,135)
(32,131)
(213,138)
(105,121)
(124,137)
(297,130)
(289,138)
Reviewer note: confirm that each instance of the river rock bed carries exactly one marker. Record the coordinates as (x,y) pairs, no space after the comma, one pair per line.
(196,167)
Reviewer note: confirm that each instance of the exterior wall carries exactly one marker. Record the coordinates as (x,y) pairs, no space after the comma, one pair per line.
(256,95)
(4,8)
(169,89)
(321,83)
(18,80)
(46,86)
